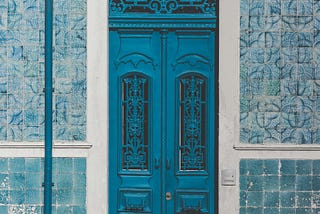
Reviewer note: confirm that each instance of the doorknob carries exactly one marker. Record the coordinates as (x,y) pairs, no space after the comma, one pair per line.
(168,196)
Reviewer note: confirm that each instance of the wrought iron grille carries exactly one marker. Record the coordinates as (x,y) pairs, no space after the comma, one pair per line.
(192,123)
(135,123)
(163,6)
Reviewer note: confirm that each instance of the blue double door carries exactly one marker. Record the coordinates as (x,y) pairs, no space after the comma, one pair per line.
(161,127)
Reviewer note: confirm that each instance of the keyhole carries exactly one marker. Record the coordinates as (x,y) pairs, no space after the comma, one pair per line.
(168,196)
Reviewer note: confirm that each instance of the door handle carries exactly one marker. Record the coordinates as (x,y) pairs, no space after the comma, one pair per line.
(168,163)
(156,163)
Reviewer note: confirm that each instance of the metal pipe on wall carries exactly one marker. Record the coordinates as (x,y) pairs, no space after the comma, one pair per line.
(48,107)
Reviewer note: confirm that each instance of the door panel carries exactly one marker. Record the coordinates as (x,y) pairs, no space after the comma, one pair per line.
(134,128)
(190,136)
(161,121)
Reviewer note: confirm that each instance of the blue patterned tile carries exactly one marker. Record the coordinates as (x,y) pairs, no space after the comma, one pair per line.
(288,87)
(78,133)
(304,55)
(14,21)
(289,55)
(272,39)
(256,136)
(273,7)
(256,7)
(15,117)
(289,39)
(245,55)
(62,38)
(272,120)
(305,7)
(272,136)
(305,71)
(3,133)
(31,133)
(78,39)
(316,7)
(256,104)
(79,53)
(244,88)
(256,39)
(304,136)
(3,20)
(288,104)
(289,23)
(3,117)
(316,104)
(14,6)
(316,57)
(244,7)
(317,38)
(288,135)
(78,6)
(272,71)
(79,22)
(305,88)
(272,104)
(317,23)
(305,104)
(244,136)
(289,7)
(272,55)
(15,133)
(305,39)
(256,71)
(256,121)
(304,23)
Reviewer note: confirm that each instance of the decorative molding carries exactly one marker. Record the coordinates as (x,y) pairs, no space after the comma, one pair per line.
(163,23)
(278,148)
(190,59)
(134,59)
(40,145)
(162,7)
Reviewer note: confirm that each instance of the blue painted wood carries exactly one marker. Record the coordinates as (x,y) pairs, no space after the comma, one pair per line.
(161,121)
(48,107)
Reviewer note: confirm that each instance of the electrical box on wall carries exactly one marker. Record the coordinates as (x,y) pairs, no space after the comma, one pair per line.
(228,177)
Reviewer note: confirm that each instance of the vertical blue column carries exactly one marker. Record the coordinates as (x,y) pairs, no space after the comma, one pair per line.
(48,107)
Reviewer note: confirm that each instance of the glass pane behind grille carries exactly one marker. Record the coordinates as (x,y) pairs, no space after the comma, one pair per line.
(192,123)
(135,138)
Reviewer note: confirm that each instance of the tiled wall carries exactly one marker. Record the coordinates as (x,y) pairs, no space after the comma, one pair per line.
(280,71)
(21,190)
(22,70)
(279,186)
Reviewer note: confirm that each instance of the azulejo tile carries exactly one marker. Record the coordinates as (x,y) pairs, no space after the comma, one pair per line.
(292,189)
